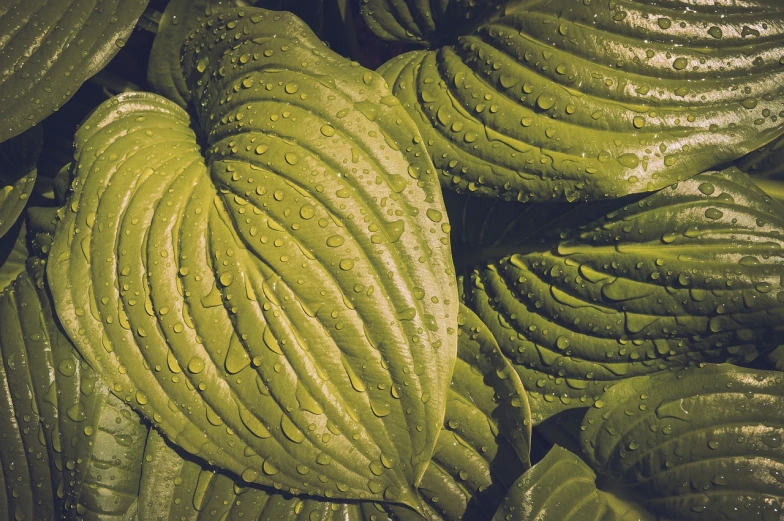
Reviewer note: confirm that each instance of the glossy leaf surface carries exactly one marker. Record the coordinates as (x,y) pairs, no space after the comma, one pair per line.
(71,450)
(695,444)
(572,100)
(289,311)
(582,296)
(48,48)
(481,450)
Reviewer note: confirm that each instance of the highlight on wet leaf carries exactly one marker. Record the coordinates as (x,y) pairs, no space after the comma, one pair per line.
(694,444)
(50,48)
(580,297)
(288,310)
(569,100)
(481,450)
(181,16)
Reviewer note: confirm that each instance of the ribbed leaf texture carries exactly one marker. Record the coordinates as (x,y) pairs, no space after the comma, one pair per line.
(288,311)
(582,296)
(561,487)
(181,16)
(71,449)
(427,23)
(48,48)
(481,451)
(695,444)
(573,100)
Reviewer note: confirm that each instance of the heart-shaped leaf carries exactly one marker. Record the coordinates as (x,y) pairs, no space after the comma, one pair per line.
(582,296)
(589,100)
(289,311)
(49,48)
(481,451)
(694,444)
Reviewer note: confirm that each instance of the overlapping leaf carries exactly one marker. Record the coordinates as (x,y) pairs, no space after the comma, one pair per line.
(70,448)
(288,312)
(481,451)
(588,100)
(18,171)
(426,23)
(561,487)
(695,444)
(581,296)
(13,253)
(48,48)
(181,17)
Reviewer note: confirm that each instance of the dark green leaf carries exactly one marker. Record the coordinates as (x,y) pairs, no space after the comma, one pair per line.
(582,296)
(695,444)
(572,100)
(427,23)
(48,48)
(18,171)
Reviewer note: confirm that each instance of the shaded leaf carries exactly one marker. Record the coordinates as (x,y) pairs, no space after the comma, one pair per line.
(591,100)
(426,23)
(695,444)
(13,253)
(18,171)
(49,48)
(561,487)
(582,296)
(71,450)
(312,175)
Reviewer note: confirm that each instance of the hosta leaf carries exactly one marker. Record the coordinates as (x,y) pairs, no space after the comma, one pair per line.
(285,312)
(70,448)
(181,16)
(426,23)
(561,487)
(481,450)
(695,444)
(588,100)
(766,167)
(581,296)
(18,171)
(50,47)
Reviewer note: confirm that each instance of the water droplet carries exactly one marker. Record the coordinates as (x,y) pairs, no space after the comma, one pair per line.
(749,103)
(291,158)
(328,130)
(291,88)
(546,101)
(196,365)
(715,32)
(680,63)
(334,241)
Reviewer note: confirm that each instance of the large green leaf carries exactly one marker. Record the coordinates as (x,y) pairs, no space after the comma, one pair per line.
(182,16)
(71,450)
(562,487)
(18,171)
(289,311)
(426,23)
(481,451)
(582,296)
(588,100)
(695,444)
(48,48)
